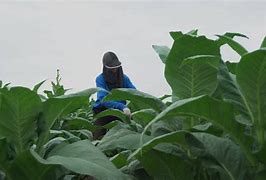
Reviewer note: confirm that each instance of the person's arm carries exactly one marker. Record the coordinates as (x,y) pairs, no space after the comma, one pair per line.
(128,83)
(101,94)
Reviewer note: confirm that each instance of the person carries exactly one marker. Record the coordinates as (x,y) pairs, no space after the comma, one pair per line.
(111,77)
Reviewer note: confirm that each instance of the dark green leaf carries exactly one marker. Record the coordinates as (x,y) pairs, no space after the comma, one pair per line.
(217,112)
(251,77)
(161,165)
(84,158)
(230,91)
(227,153)
(19,111)
(192,79)
(54,108)
(121,138)
(26,167)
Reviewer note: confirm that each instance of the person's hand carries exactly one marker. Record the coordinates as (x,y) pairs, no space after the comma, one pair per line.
(127,111)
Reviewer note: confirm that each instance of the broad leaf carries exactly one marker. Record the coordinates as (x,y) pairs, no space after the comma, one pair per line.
(217,112)
(227,153)
(191,79)
(142,99)
(251,77)
(19,111)
(84,158)
(121,138)
(56,107)
(230,92)
(26,167)
(162,165)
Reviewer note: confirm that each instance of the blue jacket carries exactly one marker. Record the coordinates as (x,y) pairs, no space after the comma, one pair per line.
(100,82)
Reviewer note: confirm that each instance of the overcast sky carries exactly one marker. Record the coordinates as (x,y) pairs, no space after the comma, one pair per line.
(36,38)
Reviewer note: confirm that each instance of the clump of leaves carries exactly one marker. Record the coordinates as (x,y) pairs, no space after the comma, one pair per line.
(58,88)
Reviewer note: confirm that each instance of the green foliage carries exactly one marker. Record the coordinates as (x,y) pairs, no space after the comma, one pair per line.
(191,79)
(93,162)
(212,127)
(232,43)
(19,110)
(141,99)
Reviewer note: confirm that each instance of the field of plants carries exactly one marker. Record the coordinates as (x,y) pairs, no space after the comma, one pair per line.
(212,126)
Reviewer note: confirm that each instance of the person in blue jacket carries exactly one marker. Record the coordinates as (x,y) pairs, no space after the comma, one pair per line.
(112,77)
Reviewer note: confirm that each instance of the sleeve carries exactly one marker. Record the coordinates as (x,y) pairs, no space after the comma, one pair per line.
(102,94)
(128,83)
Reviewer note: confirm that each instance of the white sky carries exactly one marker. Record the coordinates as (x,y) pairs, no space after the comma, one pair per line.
(36,38)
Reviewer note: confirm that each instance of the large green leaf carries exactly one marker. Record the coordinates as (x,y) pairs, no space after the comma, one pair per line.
(19,111)
(142,99)
(217,112)
(228,155)
(162,165)
(26,167)
(162,51)
(230,91)
(251,77)
(84,158)
(121,138)
(191,79)
(56,107)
